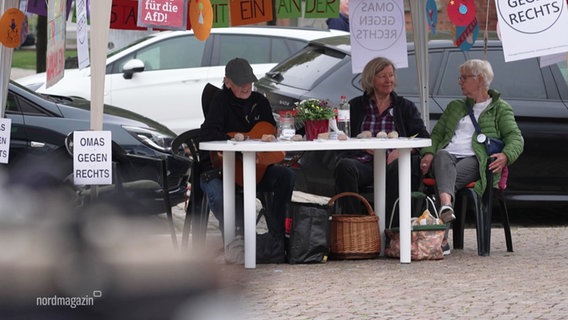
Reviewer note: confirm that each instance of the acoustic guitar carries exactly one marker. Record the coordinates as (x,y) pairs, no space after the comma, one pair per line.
(263,159)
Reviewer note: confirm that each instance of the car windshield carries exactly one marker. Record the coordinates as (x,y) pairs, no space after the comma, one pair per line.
(306,67)
(130,45)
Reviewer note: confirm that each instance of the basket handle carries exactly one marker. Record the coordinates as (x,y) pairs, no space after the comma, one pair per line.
(427,199)
(360,197)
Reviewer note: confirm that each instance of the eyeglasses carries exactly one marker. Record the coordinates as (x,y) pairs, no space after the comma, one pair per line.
(464,77)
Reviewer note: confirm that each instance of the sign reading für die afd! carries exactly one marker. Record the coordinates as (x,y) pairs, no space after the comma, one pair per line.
(92,157)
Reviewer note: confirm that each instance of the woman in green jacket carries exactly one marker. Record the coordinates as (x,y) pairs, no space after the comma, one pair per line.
(458,155)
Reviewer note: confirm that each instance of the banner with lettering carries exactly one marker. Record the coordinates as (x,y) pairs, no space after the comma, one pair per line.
(290,8)
(220,13)
(245,12)
(377,29)
(124,16)
(321,9)
(163,14)
(55,41)
(532,28)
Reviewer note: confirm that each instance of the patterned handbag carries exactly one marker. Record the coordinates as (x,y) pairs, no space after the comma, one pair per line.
(426,236)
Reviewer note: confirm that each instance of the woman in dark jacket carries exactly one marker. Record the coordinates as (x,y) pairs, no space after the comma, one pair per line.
(378,109)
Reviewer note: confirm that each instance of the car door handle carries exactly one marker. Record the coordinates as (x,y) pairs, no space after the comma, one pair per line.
(35,144)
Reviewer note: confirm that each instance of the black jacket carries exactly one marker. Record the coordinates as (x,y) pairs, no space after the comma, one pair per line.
(228,113)
(407,118)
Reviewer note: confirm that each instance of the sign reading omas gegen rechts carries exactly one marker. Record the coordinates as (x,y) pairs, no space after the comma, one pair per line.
(377,29)
(92,157)
(5,125)
(531,28)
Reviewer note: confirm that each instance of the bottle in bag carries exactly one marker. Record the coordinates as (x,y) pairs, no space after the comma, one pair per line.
(343,116)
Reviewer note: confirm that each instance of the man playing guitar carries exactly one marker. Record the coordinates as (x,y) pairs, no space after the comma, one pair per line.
(236,109)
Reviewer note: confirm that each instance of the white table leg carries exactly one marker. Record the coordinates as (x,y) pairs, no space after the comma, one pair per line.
(229,196)
(249,186)
(404,179)
(379,178)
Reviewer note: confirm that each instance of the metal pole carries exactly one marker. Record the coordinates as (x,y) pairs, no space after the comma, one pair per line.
(420,31)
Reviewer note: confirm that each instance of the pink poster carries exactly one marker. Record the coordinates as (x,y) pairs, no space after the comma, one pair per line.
(55,41)
(163,14)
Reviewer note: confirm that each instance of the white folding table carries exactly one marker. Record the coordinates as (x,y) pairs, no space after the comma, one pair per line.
(249,148)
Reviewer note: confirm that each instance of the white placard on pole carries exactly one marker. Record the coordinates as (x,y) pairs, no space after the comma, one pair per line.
(92,157)
(100,20)
(378,28)
(5,129)
(532,28)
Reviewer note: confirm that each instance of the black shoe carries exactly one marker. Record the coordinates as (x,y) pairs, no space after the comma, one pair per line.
(446,248)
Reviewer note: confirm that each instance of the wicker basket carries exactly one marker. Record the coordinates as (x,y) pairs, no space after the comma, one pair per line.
(354,236)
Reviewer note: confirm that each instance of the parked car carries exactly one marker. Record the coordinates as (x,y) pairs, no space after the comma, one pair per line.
(539,97)
(40,124)
(162,76)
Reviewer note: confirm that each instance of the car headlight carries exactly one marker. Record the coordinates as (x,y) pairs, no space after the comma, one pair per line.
(151,138)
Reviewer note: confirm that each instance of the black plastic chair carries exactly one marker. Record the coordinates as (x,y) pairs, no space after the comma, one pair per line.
(467,198)
(197,210)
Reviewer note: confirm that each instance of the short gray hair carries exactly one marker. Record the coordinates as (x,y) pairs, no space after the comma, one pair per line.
(479,67)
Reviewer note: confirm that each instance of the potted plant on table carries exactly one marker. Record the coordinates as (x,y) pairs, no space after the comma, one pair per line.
(315,114)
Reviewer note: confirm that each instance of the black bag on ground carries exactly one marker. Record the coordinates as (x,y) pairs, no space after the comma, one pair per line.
(270,248)
(309,233)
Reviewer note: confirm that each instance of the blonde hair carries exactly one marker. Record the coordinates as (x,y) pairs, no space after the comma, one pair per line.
(373,67)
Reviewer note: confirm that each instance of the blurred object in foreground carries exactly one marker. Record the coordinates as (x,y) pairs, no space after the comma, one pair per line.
(58,261)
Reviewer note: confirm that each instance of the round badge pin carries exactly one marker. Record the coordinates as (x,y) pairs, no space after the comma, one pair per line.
(481,138)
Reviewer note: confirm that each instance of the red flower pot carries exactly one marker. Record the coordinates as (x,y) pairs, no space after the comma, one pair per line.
(315,127)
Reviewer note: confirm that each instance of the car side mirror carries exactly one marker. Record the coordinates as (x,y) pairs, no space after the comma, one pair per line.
(131,67)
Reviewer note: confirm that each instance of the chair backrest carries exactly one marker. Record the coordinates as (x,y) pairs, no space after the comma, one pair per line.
(186,144)
(207,96)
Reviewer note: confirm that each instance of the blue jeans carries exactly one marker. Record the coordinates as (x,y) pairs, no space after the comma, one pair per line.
(277,179)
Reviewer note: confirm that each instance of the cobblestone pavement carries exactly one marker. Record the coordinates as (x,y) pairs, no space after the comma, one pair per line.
(529,283)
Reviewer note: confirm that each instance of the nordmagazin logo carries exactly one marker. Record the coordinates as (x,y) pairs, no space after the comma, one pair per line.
(71,302)
(530,16)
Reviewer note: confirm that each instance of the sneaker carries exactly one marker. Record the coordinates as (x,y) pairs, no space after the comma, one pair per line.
(447,214)
(446,248)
